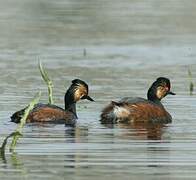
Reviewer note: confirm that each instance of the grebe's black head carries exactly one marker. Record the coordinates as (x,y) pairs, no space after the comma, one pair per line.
(78,90)
(159,89)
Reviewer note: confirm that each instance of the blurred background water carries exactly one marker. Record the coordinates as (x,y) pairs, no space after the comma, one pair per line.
(119,48)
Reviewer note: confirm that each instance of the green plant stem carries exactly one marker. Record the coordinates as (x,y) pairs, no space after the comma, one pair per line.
(3,146)
(50,96)
(48,82)
(18,131)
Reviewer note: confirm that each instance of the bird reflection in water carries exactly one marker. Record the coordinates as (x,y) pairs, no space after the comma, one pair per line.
(142,131)
(74,136)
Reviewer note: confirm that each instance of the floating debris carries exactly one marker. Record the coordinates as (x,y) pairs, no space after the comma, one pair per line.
(191,84)
(84,52)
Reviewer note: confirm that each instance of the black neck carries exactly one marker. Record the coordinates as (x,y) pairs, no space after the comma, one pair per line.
(71,108)
(152,96)
(70,104)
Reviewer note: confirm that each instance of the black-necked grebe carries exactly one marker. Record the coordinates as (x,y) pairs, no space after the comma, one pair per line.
(53,114)
(133,110)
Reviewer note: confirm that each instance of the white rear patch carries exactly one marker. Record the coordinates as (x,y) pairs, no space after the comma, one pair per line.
(121,112)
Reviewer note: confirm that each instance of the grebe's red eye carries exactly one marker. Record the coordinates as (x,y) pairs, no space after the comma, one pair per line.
(167,88)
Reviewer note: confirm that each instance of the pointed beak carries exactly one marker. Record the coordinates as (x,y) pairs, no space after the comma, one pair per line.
(89,98)
(171,93)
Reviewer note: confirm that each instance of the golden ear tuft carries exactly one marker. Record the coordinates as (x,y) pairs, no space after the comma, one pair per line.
(80,91)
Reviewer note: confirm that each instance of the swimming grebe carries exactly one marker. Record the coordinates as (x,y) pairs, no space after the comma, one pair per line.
(48,113)
(133,110)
